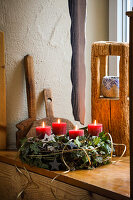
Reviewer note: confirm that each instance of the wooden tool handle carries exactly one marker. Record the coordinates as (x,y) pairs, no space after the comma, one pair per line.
(30,86)
(48,98)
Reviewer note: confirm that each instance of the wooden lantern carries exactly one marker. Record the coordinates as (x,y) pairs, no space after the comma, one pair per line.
(113,113)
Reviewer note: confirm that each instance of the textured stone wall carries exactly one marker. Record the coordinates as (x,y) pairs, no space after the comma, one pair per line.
(41,28)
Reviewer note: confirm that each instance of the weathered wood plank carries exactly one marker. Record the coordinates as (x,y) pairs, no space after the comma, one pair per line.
(2,94)
(112,181)
(98,105)
(119,110)
(112,113)
(41,187)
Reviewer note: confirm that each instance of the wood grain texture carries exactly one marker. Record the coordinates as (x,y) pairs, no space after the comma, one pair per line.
(24,126)
(12,183)
(130,14)
(2,94)
(30,86)
(119,110)
(112,113)
(111,181)
(103,69)
(48,98)
(97,104)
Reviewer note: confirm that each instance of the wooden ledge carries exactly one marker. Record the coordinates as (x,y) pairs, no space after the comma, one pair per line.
(112,181)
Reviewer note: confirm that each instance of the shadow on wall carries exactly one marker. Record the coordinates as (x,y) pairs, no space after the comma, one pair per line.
(16,92)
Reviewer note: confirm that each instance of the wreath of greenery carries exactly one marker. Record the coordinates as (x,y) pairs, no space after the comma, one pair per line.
(61,153)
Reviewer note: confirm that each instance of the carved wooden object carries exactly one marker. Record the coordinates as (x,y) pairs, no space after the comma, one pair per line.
(48,98)
(24,126)
(28,126)
(49,115)
(30,86)
(113,113)
(2,94)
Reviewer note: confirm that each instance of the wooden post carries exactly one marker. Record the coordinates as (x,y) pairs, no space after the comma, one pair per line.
(113,113)
(2,94)
(130,14)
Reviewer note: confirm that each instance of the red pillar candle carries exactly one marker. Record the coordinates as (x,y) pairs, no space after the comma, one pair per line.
(59,128)
(42,130)
(76,132)
(95,129)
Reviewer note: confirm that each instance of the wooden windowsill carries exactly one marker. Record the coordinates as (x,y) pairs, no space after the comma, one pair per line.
(112,181)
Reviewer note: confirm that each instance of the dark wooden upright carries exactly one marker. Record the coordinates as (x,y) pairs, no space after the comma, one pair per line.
(130,14)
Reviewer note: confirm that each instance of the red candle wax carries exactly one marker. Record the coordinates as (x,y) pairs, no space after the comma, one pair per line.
(95,129)
(74,133)
(42,130)
(59,128)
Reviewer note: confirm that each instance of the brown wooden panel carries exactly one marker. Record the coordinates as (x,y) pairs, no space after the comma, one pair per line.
(119,125)
(12,183)
(100,107)
(119,112)
(2,94)
(112,181)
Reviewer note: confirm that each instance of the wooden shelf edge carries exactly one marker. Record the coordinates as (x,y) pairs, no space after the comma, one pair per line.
(63,178)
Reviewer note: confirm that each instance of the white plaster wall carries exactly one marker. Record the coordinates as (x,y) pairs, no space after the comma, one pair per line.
(42,29)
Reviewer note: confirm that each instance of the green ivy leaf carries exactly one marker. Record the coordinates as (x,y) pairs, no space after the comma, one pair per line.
(101,134)
(99,159)
(35,152)
(77,142)
(96,140)
(85,159)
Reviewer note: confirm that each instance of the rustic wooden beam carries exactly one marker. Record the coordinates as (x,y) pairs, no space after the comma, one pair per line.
(113,113)
(2,94)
